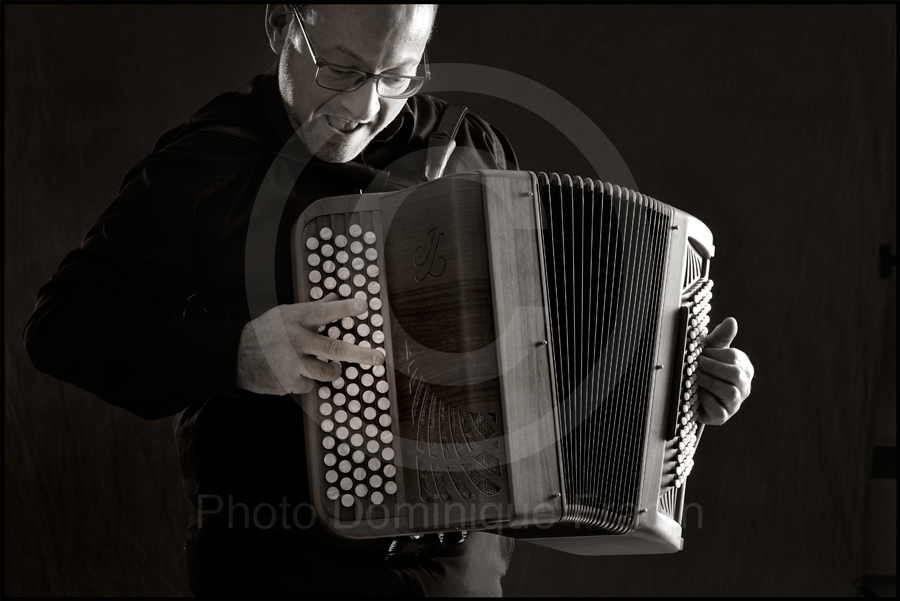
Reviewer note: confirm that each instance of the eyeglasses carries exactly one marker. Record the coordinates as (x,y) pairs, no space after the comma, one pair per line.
(344,79)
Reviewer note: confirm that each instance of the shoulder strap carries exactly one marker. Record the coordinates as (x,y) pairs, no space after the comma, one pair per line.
(441,143)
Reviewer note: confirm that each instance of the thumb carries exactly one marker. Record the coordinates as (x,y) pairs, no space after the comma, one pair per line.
(723,334)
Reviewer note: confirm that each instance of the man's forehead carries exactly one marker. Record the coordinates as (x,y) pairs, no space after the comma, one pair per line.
(402,23)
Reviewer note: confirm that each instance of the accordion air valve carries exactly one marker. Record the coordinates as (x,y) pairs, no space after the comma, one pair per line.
(540,335)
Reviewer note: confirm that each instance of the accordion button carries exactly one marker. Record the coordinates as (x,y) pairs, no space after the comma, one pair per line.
(354,407)
(358,264)
(330,283)
(325,233)
(390,471)
(352,389)
(374,464)
(312,243)
(363,330)
(340,416)
(384,420)
(356,247)
(325,409)
(367,380)
(375,481)
(345,290)
(387,437)
(384,403)
(347,323)
(358,456)
(343,273)
(359,473)
(314,260)
(371,254)
(373,287)
(356,424)
(369,413)
(361,490)
(371,429)
(334,332)
(324,392)
(365,344)
(347,500)
(360,295)
(333,493)
(351,372)
(377,498)
(345,467)
(382,351)
(342,433)
(340,240)
(355,230)
(316,293)
(387,454)
(327,425)
(372,271)
(377,320)
(378,338)
(372,447)
(338,383)
(382,386)
(375,304)
(315,277)
(331,476)
(390,487)
(339,399)
(369,237)
(329,266)
(342,257)
(328,442)
(329,459)
(343,449)
(359,280)
(327,250)
(368,396)
(378,371)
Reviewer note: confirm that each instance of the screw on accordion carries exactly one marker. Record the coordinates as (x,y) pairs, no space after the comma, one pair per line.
(540,334)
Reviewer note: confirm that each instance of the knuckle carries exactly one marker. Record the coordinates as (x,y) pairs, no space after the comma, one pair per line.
(336,349)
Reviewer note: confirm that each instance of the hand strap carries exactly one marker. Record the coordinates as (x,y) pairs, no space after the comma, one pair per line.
(441,143)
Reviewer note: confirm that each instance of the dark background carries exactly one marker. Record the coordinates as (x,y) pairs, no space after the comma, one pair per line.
(775,125)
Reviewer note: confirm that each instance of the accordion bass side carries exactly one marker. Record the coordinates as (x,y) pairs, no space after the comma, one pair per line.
(540,335)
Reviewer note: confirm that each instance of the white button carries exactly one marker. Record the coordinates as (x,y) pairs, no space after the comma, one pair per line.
(354,407)
(377,498)
(325,409)
(372,271)
(328,442)
(390,471)
(333,493)
(362,329)
(349,338)
(329,459)
(355,230)
(331,476)
(334,332)
(314,259)
(371,431)
(382,386)
(387,437)
(337,384)
(371,254)
(339,399)
(374,481)
(367,380)
(374,464)
(389,487)
(342,257)
(374,288)
(340,240)
(369,237)
(343,274)
(312,243)
(369,413)
(352,389)
(342,433)
(385,420)
(359,473)
(363,316)
(361,490)
(358,457)
(316,293)
(329,283)
(329,266)
(368,396)
(345,466)
(355,423)
(378,337)
(360,295)
(387,454)
(372,446)
(365,344)
(375,303)
(347,501)
(356,247)
(378,371)
(343,449)
(359,280)
(357,263)
(325,233)
(324,392)
(351,372)
(345,290)
(384,403)
(327,250)
(327,425)
(340,416)
(315,277)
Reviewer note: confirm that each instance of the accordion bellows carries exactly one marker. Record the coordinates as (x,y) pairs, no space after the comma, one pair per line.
(540,333)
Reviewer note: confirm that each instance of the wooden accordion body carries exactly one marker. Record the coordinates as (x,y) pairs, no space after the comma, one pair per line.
(540,335)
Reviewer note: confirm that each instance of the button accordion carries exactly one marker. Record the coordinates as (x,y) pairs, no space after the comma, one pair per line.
(540,335)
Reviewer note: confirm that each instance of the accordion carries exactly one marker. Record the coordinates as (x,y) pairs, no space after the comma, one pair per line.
(540,335)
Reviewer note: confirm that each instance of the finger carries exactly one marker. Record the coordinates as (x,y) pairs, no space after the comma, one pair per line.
(731,356)
(727,395)
(329,297)
(711,411)
(725,370)
(723,334)
(321,313)
(318,370)
(338,350)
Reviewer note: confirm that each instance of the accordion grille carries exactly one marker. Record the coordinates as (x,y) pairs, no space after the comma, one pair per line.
(604,256)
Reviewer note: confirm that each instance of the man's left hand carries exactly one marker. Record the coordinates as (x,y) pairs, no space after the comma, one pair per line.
(725,375)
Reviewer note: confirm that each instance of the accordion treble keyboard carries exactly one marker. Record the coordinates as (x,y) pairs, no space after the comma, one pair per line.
(540,336)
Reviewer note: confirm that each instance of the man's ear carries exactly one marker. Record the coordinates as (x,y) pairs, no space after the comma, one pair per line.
(278,23)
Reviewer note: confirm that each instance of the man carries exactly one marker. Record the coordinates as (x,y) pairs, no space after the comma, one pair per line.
(153,312)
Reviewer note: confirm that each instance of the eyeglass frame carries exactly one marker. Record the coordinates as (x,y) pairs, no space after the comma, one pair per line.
(376,76)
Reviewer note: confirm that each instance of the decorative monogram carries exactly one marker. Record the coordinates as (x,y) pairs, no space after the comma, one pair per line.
(426,258)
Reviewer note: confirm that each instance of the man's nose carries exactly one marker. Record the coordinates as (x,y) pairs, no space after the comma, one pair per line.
(364,102)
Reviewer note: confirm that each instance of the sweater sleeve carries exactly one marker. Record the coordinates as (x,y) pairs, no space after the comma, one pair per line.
(111,320)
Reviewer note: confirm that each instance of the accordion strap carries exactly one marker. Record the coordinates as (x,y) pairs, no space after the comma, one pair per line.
(441,143)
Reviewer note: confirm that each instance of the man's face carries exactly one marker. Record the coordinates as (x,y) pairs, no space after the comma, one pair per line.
(337,126)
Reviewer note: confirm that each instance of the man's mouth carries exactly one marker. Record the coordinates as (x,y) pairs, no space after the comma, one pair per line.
(343,126)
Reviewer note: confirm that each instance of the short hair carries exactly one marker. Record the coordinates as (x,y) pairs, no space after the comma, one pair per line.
(308,13)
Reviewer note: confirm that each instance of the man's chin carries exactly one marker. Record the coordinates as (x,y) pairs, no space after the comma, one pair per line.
(338,148)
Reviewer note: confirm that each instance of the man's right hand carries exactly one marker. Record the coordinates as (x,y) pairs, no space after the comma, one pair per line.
(279,350)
